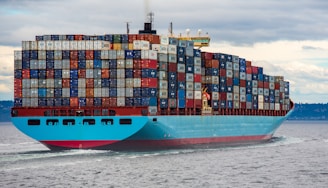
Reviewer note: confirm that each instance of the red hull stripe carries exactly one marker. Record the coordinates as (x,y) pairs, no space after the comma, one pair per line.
(79,144)
(126,144)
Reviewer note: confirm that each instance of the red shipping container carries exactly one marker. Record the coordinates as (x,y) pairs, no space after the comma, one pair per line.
(255,70)
(248,70)
(144,82)
(242,83)
(197,78)
(74,64)
(152,82)
(242,105)
(89,55)
(25,73)
(89,92)
(113,101)
(145,63)
(260,84)
(50,73)
(229,81)
(181,76)
(137,64)
(154,39)
(266,85)
(132,37)
(248,63)
(73,55)
(105,102)
(78,37)
(17,83)
(104,73)
(212,63)
(89,83)
(223,96)
(65,83)
(172,67)
(74,101)
(189,103)
(82,73)
(223,72)
(136,73)
(277,86)
(207,55)
(89,101)
(198,103)
(141,37)
(152,64)
(18,93)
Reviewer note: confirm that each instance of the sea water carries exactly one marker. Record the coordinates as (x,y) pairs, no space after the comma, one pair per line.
(296,157)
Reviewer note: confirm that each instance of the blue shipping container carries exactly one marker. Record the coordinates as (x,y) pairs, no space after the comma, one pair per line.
(153,101)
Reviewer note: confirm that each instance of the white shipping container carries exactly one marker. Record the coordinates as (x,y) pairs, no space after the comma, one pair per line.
(34,92)
(155,47)
(120,54)
(145,45)
(242,90)
(17,55)
(254,83)
(235,96)
(89,73)
(73,45)
(242,98)
(198,95)
(66,64)
(17,64)
(137,45)
(229,96)
(81,83)
(254,91)
(121,92)
(163,49)
(26,45)
(120,73)
(260,105)
(229,73)
(89,45)
(172,49)
(41,45)
(197,69)
(34,83)
(136,82)
(162,75)
(104,54)
(26,102)
(261,98)
(58,64)
(152,110)
(121,82)
(189,86)
(164,40)
(105,92)
(26,83)
(81,45)
(129,92)
(152,55)
(34,64)
(215,96)
(189,77)
(181,68)
(66,92)
(97,83)
(50,45)
(242,76)
(189,94)
(65,73)
(26,92)
(34,102)
(172,58)
(163,84)
(57,45)
(197,86)
(120,101)
(97,92)
(58,54)
(81,92)
(163,94)
(120,66)
(50,92)
(42,55)
(50,83)
(197,61)
(260,91)
(65,45)
(271,85)
(236,89)
(129,82)
(229,65)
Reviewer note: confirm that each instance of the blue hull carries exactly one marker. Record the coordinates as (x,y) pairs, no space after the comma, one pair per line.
(149,132)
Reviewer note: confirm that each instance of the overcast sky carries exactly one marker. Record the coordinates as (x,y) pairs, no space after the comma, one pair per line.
(286,37)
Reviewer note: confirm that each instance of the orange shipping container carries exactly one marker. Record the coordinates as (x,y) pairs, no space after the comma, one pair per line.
(248,63)
(74,101)
(89,55)
(25,73)
(104,73)
(113,101)
(78,37)
(89,101)
(105,102)
(132,37)
(65,83)
(74,64)
(73,55)
(89,83)
(82,73)
(89,92)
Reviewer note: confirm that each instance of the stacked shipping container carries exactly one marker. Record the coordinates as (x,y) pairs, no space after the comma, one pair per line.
(160,73)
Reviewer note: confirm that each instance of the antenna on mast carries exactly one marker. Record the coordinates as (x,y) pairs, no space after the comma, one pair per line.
(127,27)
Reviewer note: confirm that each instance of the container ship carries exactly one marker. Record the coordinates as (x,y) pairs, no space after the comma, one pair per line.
(142,92)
